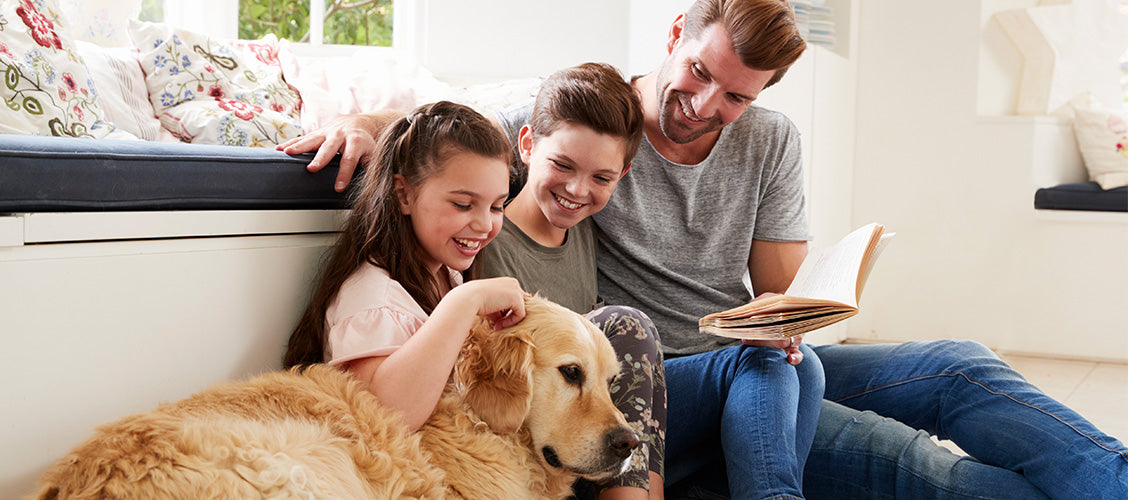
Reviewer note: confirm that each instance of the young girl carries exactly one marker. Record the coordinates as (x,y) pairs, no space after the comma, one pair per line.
(585,128)
(390,306)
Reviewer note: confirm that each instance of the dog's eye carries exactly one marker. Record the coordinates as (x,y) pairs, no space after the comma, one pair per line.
(572,374)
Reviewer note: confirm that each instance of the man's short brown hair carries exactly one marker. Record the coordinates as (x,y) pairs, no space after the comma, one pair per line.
(763,32)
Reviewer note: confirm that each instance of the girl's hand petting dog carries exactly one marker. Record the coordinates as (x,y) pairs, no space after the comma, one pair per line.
(790,345)
(501,300)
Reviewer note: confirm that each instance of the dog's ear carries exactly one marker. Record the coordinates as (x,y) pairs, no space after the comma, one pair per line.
(497,372)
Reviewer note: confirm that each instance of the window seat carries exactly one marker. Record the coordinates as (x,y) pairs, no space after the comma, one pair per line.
(63,174)
(1086,196)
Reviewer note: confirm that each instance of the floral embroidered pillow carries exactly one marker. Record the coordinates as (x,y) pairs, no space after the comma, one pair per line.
(1102,136)
(47,89)
(212,92)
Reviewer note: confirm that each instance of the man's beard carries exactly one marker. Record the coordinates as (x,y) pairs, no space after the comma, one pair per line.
(670,121)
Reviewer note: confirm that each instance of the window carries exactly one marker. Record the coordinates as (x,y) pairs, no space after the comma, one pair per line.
(1124,58)
(345,22)
(152,11)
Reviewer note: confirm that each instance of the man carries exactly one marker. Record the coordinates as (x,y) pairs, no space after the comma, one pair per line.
(715,183)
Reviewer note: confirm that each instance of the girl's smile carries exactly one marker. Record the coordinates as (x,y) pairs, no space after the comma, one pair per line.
(457,212)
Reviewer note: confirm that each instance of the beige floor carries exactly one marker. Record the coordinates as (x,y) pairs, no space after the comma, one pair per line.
(1096,390)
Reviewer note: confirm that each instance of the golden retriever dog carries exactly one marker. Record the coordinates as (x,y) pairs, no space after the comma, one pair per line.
(526,412)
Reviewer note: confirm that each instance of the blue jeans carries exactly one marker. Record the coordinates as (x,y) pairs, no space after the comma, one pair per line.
(957,390)
(740,417)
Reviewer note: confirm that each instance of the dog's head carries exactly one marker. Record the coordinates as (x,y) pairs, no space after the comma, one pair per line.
(550,374)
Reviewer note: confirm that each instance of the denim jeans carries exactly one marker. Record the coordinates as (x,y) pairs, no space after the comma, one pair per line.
(740,420)
(862,455)
(957,390)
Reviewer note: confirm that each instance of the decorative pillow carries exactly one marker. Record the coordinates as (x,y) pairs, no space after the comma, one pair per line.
(47,89)
(1102,136)
(212,92)
(121,88)
(101,22)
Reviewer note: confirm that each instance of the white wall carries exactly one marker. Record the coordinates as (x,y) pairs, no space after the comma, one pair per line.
(972,258)
(649,26)
(498,39)
(95,331)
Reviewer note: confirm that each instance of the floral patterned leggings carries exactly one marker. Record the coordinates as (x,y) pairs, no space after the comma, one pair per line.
(640,391)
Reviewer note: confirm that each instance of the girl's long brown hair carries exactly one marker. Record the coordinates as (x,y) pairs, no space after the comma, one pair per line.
(375,232)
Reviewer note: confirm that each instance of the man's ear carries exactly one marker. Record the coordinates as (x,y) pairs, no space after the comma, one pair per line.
(676,31)
(403,194)
(525,144)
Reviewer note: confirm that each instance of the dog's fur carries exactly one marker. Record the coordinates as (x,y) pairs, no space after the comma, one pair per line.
(528,410)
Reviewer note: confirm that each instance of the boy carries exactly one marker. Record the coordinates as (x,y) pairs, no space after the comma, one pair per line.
(586,126)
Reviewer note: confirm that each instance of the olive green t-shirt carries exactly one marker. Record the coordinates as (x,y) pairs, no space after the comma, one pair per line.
(563,274)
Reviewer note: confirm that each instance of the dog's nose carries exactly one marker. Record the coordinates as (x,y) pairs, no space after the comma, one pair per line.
(622,441)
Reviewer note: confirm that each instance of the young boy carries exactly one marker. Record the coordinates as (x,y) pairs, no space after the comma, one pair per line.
(586,125)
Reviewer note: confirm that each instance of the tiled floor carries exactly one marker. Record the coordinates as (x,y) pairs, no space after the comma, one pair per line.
(1096,390)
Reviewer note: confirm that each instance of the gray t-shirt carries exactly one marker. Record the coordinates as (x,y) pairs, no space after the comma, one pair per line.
(563,274)
(674,239)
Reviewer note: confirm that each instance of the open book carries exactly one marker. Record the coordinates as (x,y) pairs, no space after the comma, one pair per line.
(826,290)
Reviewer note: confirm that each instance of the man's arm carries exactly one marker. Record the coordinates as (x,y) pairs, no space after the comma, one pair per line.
(354,136)
(772,265)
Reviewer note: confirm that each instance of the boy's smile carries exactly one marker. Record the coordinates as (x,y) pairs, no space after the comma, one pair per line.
(572,173)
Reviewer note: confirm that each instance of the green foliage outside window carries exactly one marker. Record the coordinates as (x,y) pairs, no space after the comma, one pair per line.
(152,11)
(359,22)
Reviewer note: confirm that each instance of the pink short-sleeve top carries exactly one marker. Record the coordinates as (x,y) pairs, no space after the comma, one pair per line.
(372,315)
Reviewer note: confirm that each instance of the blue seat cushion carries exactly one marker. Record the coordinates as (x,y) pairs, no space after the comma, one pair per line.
(1082,196)
(52,174)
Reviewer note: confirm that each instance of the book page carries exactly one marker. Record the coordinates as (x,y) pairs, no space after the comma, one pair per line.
(832,274)
(878,246)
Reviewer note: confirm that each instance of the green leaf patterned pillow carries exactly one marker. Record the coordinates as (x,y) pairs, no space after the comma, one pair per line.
(47,88)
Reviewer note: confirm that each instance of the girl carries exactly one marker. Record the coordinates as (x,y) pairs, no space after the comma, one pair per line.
(585,128)
(390,306)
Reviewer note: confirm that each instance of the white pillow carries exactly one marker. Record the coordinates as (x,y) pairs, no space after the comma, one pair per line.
(1102,136)
(211,91)
(369,79)
(487,98)
(121,87)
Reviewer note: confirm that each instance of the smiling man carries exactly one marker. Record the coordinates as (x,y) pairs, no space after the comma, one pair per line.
(716,191)
(715,181)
